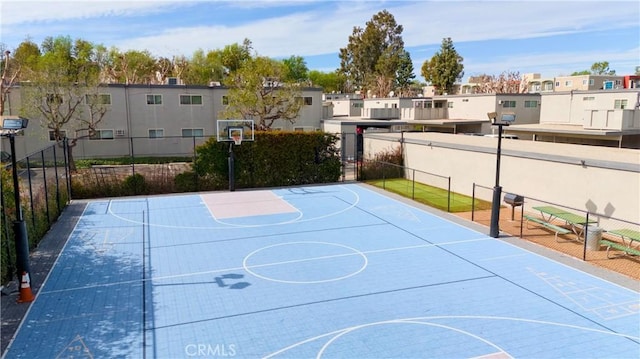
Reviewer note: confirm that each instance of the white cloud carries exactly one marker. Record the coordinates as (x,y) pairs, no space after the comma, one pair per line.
(316,30)
(43,12)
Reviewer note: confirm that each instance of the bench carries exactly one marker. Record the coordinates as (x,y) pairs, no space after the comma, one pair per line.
(551,226)
(619,246)
(625,248)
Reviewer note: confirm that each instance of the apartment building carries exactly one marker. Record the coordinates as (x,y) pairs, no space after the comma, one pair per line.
(602,117)
(588,83)
(154,112)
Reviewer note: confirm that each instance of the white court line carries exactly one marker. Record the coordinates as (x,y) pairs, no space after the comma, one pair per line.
(351,329)
(524,320)
(261,265)
(227,225)
(503,241)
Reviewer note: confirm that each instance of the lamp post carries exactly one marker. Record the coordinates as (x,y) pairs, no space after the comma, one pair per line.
(494,228)
(10,125)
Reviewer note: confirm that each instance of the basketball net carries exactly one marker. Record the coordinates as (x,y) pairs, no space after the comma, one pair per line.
(237,139)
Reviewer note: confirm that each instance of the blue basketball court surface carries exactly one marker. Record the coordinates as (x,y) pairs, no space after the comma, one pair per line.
(335,271)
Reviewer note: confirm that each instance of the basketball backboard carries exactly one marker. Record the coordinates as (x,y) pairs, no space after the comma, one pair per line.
(235,131)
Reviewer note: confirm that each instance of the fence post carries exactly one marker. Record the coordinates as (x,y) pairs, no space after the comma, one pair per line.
(413,183)
(384,178)
(46,191)
(194,148)
(522,215)
(586,231)
(67,172)
(33,212)
(449,194)
(55,171)
(133,157)
(473,201)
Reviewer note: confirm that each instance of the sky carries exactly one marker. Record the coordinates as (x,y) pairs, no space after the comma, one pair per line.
(552,38)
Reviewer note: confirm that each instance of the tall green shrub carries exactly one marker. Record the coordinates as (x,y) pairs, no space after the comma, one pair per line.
(275,158)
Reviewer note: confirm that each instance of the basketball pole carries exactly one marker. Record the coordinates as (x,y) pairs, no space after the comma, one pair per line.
(232,184)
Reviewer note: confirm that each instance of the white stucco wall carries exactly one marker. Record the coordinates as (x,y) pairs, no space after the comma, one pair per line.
(545,171)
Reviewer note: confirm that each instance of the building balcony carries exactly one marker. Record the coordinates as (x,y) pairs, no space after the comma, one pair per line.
(419,113)
(619,120)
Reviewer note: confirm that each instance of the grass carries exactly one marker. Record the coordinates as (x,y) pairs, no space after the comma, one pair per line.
(431,196)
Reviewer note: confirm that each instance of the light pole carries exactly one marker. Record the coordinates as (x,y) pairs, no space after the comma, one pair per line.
(11,125)
(506,119)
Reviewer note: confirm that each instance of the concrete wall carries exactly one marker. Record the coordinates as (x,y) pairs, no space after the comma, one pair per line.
(607,183)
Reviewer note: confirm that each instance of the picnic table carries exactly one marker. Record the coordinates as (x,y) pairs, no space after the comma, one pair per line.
(576,223)
(627,246)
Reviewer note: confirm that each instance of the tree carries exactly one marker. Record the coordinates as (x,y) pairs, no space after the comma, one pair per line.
(602,68)
(329,81)
(10,72)
(506,82)
(203,69)
(373,54)
(234,56)
(258,93)
(64,91)
(133,67)
(405,75)
(445,68)
(598,68)
(297,69)
(583,72)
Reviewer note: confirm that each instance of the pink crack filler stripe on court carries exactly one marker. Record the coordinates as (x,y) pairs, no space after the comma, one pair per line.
(245,204)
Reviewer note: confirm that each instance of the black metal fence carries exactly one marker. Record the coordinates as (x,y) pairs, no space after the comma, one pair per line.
(429,188)
(44,191)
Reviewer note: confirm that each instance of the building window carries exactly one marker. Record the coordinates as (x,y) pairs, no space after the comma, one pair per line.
(592,82)
(548,86)
(225,100)
(154,99)
(449,104)
(192,132)
(156,133)
(191,99)
(568,83)
(557,83)
(530,104)
(618,82)
(465,100)
(102,135)
(620,104)
(52,137)
(307,101)
(508,104)
(54,99)
(588,98)
(437,105)
(100,99)
(585,81)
